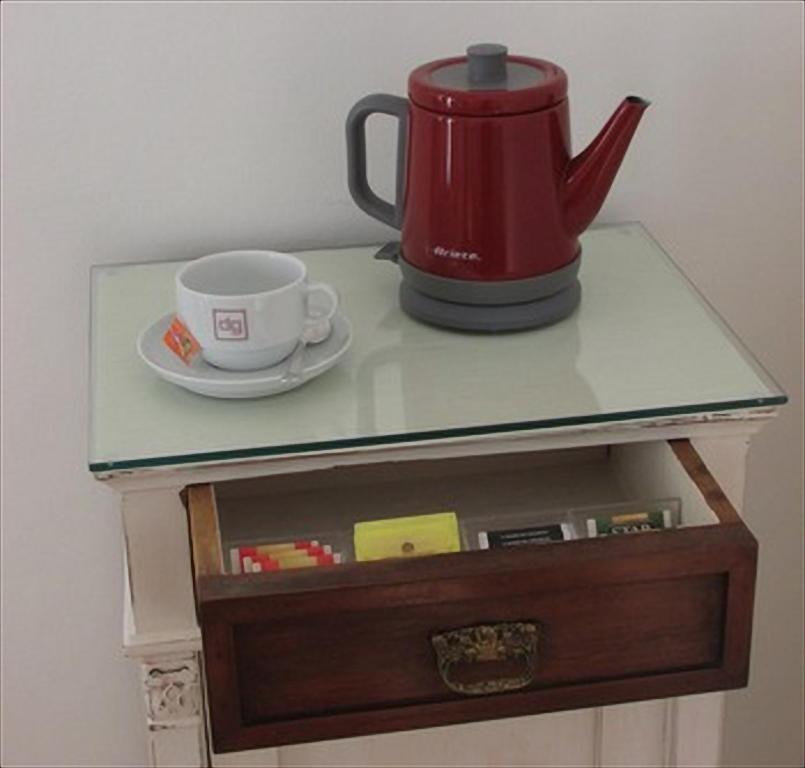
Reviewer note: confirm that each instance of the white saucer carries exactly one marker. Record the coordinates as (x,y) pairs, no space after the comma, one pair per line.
(205,379)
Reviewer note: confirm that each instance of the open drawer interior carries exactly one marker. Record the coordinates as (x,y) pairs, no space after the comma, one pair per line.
(487,492)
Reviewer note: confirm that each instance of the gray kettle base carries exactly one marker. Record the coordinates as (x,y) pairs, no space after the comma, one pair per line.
(494,318)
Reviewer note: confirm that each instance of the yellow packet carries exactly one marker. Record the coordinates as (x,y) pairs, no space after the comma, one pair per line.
(407,536)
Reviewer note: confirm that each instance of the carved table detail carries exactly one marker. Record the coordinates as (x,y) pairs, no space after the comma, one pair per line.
(172,689)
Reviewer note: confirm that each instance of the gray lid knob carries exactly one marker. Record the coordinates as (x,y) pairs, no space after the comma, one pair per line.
(487,62)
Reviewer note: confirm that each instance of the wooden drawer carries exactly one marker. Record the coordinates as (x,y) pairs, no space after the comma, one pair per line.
(363,648)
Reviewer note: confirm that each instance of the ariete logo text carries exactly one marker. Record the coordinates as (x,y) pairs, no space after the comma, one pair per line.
(450,253)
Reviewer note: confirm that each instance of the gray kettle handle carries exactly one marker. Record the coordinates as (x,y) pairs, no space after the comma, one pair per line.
(359,188)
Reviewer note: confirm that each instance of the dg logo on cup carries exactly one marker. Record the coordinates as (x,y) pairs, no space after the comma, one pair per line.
(230,324)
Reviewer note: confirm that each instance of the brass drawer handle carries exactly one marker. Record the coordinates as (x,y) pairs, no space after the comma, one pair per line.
(507,641)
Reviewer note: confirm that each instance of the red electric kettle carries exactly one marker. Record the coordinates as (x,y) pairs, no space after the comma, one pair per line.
(489,199)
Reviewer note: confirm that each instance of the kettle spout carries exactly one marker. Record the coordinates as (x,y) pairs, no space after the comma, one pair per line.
(590,174)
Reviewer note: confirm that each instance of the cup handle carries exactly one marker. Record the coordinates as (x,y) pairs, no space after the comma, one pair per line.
(328,291)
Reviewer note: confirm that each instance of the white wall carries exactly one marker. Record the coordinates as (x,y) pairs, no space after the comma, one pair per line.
(154,131)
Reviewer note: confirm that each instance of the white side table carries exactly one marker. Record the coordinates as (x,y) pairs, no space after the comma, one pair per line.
(643,361)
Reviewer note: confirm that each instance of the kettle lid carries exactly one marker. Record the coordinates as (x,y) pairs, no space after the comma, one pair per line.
(487,81)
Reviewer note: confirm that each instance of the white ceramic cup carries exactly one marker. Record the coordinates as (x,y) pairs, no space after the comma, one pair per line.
(248,309)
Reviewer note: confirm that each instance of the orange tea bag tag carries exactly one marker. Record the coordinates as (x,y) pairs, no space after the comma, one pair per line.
(181,342)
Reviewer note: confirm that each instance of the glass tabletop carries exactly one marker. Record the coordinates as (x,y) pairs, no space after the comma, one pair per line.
(642,344)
